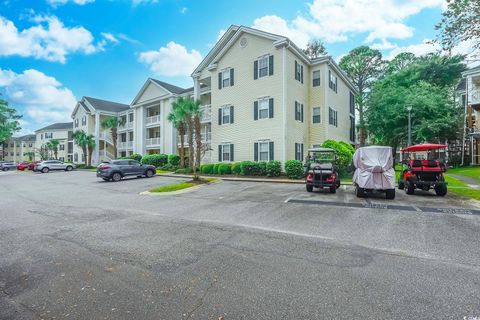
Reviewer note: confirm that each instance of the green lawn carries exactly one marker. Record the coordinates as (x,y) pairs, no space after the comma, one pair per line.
(461,189)
(471,172)
(160,171)
(173,187)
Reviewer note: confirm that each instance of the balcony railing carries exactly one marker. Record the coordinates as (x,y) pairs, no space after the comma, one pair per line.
(152,142)
(105,155)
(206,138)
(125,126)
(105,136)
(125,145)
(152,119)
(206,113)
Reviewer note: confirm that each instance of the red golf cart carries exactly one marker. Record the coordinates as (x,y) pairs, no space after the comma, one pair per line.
(423,174)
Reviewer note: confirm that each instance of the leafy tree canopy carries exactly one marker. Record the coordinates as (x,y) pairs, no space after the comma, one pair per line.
(315,49)
(8,121)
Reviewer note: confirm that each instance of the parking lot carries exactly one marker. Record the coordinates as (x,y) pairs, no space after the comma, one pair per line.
(74,246)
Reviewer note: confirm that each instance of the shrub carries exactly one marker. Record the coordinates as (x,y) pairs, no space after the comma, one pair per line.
(184,170)
(168,167)
(173,159)
(261,168)
(344,155)
(236,168)
(225,168)
(84,166)
(206,168)
(215,168)
(135,156)
(158,160)
(294,169)
(274,168)
(248,168)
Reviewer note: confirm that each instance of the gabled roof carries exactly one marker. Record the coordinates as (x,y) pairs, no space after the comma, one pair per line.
(57,126)
(169,87)
(28,137)
(105,105)
(471,71)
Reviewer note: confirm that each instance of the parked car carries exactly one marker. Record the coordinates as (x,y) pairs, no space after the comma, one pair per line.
(47,165)
(23,165)
(321,171)
(115,170)
(374,171)
(5,166)
(31,165)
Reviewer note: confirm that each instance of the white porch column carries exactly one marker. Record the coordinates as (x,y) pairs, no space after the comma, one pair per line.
(140,143)
(162,126)
(196,88)
(173,144)
(97,137)
(14,151)
(21,150)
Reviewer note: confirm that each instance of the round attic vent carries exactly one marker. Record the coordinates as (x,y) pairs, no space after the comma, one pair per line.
(243,42)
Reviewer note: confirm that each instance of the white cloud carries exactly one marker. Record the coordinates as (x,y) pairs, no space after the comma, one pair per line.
(110,37)
(183,10)
(56,3)
(172,60)
(138,2)
(44,99)
(337,20)
(49,40)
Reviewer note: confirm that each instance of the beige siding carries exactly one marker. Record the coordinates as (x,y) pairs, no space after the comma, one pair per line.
(317,99)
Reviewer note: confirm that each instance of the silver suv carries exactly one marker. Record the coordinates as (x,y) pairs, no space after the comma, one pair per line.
(115,170)
(6,165)
(47,165)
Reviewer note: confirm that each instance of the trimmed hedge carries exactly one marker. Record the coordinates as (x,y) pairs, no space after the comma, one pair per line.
(158,160)
(294,169)
(225,168)
(215,168)
(274,168)
(135,156)
(174,159)
(206,168)
(236,168)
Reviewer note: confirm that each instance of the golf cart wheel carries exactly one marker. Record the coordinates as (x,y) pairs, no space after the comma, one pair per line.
(333,189)
(45,170)
(401,185)
(441,190)
(390,194)
(116,177)
(338,184)
(409,188)
(69,168)
(359,192)
(309,187)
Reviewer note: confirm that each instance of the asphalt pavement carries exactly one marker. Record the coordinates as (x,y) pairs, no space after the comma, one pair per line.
(76,247)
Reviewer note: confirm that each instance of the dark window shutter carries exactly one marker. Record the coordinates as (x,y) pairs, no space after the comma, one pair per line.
(255,110)
(301,157)
(231,114)
(296,151)
(255,70)
(219,80)
(270,108)
(296,110)
(270,65)
(329,79)
(231,152)
(336,84)
(296,64)
(219,116)
(255,151)
(301,111)
(219,152)
(301,74)
(270,145)
(231,77)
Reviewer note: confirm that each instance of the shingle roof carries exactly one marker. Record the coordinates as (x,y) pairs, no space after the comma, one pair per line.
(105,105)
(58,126)
(28,137)
(170,87)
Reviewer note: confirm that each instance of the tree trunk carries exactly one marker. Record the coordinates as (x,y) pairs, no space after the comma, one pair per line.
(90,152)
(84,150)
(181,132)
(56,153)
(114,138)
(190,141)
(198,142)
(362,130)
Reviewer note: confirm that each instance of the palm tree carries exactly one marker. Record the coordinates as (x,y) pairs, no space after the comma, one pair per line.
(177,118)
(90,143)
(52,145)
(112,123)
(195,115)
(80,138)
(30,155)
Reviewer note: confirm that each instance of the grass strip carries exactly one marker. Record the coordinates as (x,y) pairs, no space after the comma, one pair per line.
(471,172)
(174,187)
(461,189)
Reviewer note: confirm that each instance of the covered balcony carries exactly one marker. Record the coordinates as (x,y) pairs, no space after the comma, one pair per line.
(152,137)
(152,115)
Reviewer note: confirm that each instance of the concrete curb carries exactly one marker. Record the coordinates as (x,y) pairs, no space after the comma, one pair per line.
(155,194)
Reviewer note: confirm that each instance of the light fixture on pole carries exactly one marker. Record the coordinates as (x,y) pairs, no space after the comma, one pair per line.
(409,108)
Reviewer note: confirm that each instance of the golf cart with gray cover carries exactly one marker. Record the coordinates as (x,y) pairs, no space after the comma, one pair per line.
(321,171)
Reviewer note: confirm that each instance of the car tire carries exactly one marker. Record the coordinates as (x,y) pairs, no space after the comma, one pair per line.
(409,188)
(116,177)
(359,192)
(45,170)
(309,188)
(441,190)
(401,185)
(390,194)
(5,169)
(333,189)
(149,173)
(69,168)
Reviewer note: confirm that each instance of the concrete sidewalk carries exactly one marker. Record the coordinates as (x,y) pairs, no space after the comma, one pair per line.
(472,183)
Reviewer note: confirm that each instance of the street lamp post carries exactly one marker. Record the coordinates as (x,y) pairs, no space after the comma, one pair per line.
(409,108)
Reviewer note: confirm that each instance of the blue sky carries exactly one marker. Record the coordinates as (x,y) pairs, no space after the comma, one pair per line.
(53,52)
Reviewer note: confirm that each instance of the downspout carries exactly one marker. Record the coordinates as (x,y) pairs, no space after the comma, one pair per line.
(464,121)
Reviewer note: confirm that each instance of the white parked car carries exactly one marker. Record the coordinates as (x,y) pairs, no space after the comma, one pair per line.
(47,165)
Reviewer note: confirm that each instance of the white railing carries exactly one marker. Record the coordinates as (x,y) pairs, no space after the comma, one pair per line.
(125,145)
(125,126)
(206,138)
(105,155)
(153,119)
(152,142)
(206,113)
(105,136)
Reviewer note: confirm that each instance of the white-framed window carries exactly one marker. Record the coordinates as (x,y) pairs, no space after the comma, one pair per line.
(298,71)
(316,115)
(226,78)
(263,151)
(48,135)
(263,108)
(332,81)
(84,120)
(130,117)
(30,145)
(332,117)
(263,66)
(225,115)
(41,137)
(62,147)
(76,123)
(316,78)
(225,152)
(299,151)
(298,111)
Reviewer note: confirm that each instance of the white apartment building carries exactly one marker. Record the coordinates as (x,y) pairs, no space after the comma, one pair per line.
(17,149)
(61,132)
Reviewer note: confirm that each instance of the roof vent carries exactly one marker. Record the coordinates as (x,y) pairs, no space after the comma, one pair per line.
(243,42)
